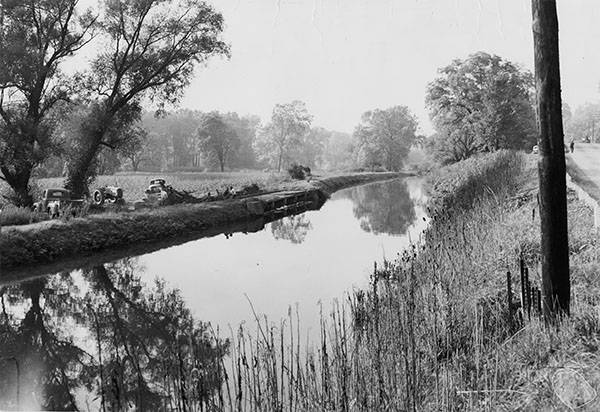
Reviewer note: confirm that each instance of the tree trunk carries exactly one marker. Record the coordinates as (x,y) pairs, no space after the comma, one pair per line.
(19,183)
(80,170)
(279,160)
(551,165)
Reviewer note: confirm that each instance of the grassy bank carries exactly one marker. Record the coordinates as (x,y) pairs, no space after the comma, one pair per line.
(51,240)
(434,332)
(134,185)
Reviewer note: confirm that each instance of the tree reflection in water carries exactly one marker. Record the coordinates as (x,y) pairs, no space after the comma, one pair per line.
(292,228)
(383,208)
(36,350)
(128,345)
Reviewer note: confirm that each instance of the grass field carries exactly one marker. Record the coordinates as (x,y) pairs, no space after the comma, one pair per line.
(134,185)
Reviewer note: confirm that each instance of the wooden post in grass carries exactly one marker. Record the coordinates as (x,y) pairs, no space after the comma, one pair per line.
(556,284)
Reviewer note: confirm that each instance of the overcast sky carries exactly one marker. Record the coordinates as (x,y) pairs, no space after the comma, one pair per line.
(343,57)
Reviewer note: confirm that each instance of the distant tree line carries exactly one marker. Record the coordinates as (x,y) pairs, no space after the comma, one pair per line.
(583,124)
(187,140)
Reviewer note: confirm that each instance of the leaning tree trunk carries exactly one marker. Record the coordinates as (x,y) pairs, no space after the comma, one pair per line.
(19,183)
(551,165)
(81,169)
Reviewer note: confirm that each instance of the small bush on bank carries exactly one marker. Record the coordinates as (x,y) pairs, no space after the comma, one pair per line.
(298,172)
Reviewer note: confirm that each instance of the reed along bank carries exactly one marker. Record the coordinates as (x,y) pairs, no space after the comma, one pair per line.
(435,330)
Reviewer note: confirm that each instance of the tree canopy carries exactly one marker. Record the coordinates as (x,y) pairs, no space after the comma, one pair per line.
(482,103)
(384,137)
(218,139)
(152,49)
(35,39)
(584,123)
(289,124)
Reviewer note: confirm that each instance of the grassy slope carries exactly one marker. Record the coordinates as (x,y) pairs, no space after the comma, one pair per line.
(525,364)
(434,331)
(489,361)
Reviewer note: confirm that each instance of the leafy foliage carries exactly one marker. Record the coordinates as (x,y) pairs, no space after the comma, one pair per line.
(134,149)
(245,128)
(298,172)
(384,137)
(217,139)
(153,47)
(277,140)
(482,103)
(338,153)
(585,123)
(36,37)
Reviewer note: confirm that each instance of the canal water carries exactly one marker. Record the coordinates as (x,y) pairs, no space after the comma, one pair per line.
(58,329)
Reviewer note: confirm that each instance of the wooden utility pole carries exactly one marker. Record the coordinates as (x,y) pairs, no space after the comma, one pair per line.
(556,282)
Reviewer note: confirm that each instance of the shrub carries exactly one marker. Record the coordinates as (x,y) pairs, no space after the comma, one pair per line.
(298,172)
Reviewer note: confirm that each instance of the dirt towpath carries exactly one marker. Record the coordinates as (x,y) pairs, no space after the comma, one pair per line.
(584,167)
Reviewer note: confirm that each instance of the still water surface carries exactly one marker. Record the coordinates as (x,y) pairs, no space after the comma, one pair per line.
(57,328)
(303,259)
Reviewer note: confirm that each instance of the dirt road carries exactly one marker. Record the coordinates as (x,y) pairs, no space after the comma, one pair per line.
(584,167)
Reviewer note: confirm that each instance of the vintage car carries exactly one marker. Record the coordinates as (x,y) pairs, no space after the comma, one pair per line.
(158,181)
(110,194)
(157,191)
(55,201)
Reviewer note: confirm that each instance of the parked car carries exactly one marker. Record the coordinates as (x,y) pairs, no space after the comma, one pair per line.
(110,194)
(157,191)
(55,201)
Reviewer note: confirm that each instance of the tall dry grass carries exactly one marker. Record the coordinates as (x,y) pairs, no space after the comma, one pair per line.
(12,215)
(434,331)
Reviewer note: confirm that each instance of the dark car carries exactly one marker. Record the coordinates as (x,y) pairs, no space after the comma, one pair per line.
(54,201)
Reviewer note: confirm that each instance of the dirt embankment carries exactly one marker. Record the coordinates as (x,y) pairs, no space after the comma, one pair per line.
(45,242)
